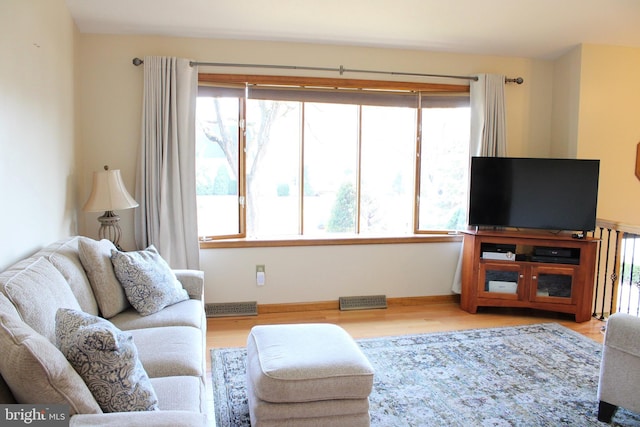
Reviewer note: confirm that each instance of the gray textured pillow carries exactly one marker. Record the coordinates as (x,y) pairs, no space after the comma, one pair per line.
(65,257)
(148,281)
(107,360)
(37,292)
(95,257)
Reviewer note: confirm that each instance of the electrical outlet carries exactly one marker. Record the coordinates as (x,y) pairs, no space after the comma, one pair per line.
(260,275)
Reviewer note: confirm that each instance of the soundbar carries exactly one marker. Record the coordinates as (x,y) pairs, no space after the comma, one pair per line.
(556,252)
(555,259)
(498,247)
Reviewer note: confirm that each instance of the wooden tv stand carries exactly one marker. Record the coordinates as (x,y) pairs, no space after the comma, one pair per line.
(545,271)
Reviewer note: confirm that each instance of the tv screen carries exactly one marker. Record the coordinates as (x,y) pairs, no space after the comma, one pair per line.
(551,194)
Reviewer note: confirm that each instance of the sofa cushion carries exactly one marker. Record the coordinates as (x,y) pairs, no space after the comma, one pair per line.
(6,397)
(147,279)
(180,394)
(37,291)
(171,351)
(141,419)
(64,256)
(35,370)
(96,260)
(184,313)
(107,359)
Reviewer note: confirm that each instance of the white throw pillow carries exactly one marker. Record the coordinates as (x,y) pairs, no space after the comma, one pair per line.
(95,257)
(107,360)
(147,279)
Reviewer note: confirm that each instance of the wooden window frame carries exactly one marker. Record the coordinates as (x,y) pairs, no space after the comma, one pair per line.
(247,80)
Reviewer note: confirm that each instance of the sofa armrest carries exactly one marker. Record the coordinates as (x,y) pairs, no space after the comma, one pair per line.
(193,282)
(140,419)
(623,333)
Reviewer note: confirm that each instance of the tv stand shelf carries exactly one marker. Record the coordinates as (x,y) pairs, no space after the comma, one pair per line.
(553,272)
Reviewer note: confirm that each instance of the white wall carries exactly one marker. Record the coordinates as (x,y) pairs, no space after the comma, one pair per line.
(110,90)
(595,116)
(37,141)
(325,273)
(608,126)
(566,99)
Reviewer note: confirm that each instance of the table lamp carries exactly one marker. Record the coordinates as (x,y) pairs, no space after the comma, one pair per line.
(109,194)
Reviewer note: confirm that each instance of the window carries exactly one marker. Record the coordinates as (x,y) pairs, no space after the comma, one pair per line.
(273,167)
(331,162)
(387,170)
(444,165)
(217,165)
(287,160)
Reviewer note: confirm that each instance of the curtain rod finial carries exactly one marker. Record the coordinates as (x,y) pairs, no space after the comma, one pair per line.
(518,80)
(137,61)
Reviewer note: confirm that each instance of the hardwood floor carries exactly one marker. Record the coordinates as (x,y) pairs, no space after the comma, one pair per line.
(394,320)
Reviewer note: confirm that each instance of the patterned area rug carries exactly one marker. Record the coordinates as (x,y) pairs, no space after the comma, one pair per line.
(535,375)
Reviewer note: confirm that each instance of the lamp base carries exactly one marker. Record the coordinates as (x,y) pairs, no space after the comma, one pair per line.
(109,228)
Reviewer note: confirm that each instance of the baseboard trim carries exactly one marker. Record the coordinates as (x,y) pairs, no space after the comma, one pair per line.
(433,299)
(335,305)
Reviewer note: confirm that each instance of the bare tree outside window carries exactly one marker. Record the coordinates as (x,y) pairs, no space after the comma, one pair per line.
(322,168)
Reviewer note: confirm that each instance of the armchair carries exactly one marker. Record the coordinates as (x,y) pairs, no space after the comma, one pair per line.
(619,382)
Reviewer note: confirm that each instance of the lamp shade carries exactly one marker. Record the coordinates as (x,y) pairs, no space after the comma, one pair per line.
(108,193)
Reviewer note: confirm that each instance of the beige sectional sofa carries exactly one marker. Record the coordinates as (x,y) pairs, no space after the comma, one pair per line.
(170,342)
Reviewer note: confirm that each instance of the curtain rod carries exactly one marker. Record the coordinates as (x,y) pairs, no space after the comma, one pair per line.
(341,70)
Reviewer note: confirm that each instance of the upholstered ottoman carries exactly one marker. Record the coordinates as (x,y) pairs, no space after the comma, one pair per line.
(307,375)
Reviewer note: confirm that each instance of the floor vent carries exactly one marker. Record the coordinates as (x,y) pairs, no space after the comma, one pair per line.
(363,302)
(227,309)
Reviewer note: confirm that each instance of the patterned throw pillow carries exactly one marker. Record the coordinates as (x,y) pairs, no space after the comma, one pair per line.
(147,279)
(107,360)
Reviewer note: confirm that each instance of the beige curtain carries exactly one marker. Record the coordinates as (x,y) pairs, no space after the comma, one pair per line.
(488,131)
(165,181)
(488,122)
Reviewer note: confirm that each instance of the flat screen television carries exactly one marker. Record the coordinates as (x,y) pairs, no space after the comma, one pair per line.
(550,194)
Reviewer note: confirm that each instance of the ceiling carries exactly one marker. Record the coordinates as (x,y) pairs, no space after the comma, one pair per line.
(541,29)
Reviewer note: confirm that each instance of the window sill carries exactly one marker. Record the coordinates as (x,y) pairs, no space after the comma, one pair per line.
(331,241)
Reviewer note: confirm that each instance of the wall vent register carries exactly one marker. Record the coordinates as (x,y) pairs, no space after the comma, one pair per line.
(363,302)
(226,309)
